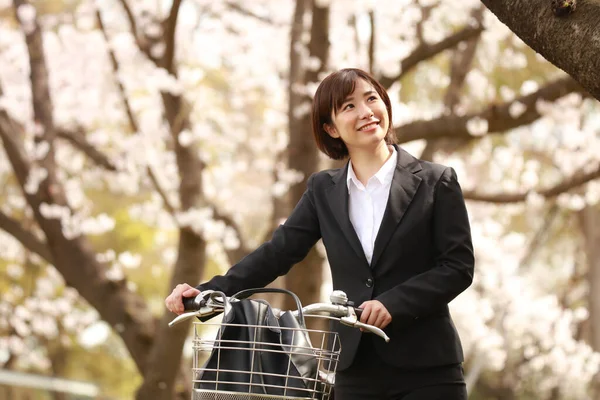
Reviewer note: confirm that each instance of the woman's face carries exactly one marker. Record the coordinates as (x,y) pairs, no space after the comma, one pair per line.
(362,121)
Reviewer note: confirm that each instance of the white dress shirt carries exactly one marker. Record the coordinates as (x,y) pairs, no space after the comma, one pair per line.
(366,205)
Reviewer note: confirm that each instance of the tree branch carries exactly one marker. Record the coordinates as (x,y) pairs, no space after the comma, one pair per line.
(460,65)
(191,255)
(42,103)
(40,91)
(163,195)
(177,115)
(425,14)
(551,192)
(191,250)
(426,51)
(115,66)
(372,40)
(244,11)
(9,132)
(498,116)
(177,119)
(235,254)
(131,19)
(143,46)
(130,117)
(75,259)
(178,123)
(569,42)
(171,25)
(78,140)
(539,236)
(25,237)
(168,60)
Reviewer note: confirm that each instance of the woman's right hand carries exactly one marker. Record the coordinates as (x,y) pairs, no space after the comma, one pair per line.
(174,302)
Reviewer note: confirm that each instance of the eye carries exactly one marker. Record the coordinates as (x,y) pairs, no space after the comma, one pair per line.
(371,98)
(348,106)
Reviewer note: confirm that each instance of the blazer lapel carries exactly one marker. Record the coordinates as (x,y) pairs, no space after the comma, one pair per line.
(337,197)
(404,186)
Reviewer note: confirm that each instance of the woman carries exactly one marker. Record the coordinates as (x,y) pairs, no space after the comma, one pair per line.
(398,241)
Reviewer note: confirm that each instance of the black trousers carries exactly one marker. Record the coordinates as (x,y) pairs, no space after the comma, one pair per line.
(369,378)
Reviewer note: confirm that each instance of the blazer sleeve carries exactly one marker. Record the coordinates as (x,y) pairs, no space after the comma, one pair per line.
(453,270)
(289,244)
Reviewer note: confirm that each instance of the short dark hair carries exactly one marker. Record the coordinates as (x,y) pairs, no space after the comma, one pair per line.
(328,99)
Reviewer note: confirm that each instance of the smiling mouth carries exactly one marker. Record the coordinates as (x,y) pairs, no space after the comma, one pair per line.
(369,126)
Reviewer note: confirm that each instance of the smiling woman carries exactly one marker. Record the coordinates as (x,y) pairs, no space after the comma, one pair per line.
(398,242)
(346,102)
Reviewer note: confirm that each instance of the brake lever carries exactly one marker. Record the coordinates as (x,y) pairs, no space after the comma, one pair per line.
(374,330)
(202,312)
(352,320)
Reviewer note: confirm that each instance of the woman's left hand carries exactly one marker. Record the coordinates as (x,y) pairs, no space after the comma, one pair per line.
(374,313)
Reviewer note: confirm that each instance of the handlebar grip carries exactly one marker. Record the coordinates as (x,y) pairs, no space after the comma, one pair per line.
(190,304)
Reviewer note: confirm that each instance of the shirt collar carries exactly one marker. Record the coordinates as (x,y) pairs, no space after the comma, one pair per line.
(384,175)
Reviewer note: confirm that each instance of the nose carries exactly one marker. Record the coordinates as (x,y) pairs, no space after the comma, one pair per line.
(365,111)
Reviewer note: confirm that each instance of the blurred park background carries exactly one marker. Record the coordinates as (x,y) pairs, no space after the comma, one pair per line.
(147,143)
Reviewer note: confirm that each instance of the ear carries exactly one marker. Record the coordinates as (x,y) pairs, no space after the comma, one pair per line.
(331,131)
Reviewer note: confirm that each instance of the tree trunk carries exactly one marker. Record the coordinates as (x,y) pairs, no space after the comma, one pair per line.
(165,357)
(282,205)
(589,219)
(571,42)
(156,350)
(73,257)
(305,279)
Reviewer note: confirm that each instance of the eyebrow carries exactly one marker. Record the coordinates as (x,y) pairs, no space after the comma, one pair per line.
(368,92)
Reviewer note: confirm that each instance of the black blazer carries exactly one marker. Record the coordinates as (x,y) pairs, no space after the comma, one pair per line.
(422,259)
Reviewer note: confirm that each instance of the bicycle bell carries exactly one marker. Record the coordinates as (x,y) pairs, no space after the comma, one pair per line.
(338,297)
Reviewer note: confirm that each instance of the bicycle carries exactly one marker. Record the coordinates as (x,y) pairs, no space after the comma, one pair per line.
(262,353)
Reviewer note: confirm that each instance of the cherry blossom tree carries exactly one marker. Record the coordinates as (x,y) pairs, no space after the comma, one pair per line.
(189,121)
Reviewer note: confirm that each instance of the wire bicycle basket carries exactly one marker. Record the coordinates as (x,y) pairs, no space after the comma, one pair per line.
(261,353)
(263,361)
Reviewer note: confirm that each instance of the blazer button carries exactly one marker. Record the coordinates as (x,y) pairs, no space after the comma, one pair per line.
(369,282)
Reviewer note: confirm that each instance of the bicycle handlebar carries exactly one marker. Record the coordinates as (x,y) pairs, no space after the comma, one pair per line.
(200,306)
(347,315)
(192,303)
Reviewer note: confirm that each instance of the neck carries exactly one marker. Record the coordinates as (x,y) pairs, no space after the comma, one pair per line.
(367,163)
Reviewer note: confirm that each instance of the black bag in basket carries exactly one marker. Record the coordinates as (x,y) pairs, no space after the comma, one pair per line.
(252,354)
